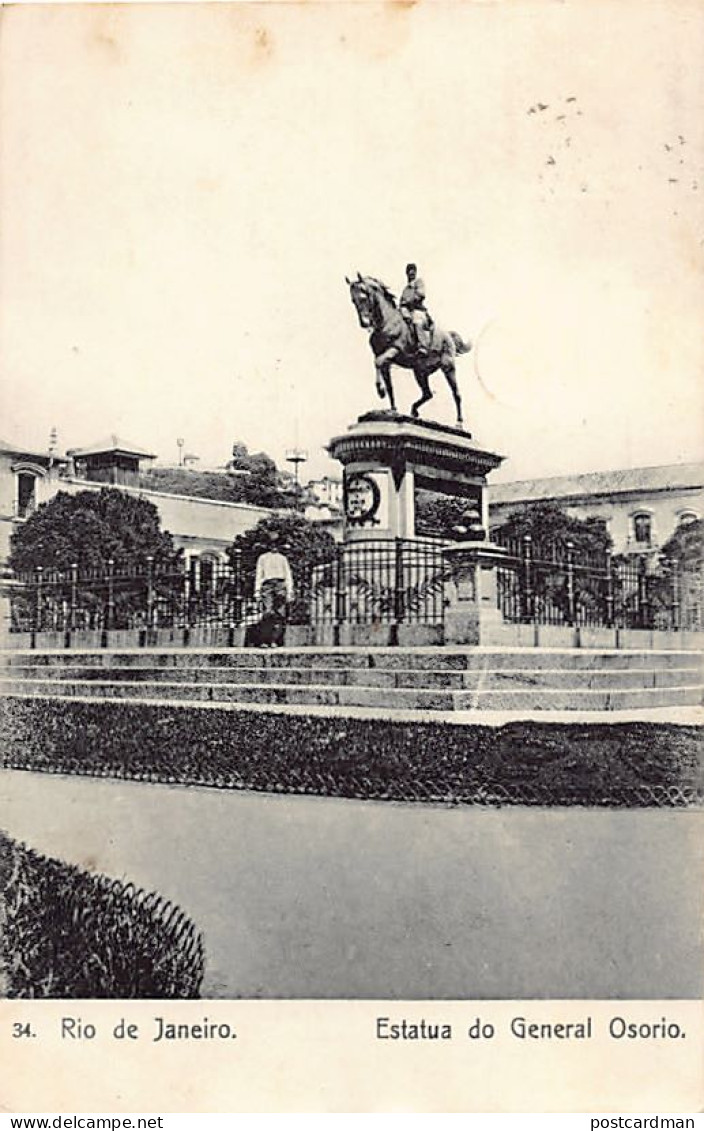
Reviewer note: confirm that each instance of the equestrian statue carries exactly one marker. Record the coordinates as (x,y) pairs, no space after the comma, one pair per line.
(406,335)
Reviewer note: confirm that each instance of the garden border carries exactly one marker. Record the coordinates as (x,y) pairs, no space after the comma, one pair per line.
(630,764)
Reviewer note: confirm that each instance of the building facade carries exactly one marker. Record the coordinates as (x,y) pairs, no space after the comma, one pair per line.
(328,490)
(203,528)
(640,507)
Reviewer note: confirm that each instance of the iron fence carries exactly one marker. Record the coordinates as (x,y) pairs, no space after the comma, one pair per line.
(370,581)
(554,585)
(142,595)
(380,581)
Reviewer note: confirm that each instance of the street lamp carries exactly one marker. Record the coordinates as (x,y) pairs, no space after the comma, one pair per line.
(296,456)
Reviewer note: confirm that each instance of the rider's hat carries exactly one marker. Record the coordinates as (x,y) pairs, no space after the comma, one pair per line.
(411,267)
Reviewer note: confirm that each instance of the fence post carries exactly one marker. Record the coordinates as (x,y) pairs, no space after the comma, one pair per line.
(571,605)
(608,566)
(71,609)
(528,596)
(186,597)
(150,591)
(110,615)
(676,597)
(74,594)
(38,606)
(398,580)
(339,614)
(642,594)
(236,567)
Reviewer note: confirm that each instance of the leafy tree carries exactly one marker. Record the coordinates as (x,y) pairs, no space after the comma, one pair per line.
(551,528)
(686,545)
(677,587)
(185,481)
(90,528)
(554,591)
(303,542)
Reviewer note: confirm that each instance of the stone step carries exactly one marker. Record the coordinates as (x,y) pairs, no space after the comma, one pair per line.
(311,695)
(378,659)
(429,679)
(579,700)
(510,698)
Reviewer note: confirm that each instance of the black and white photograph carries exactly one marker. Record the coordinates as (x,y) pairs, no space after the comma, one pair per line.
(352,510)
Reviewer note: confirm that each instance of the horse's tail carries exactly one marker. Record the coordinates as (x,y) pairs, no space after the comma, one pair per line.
(460,345)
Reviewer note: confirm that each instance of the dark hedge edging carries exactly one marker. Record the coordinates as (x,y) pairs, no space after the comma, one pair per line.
(68,933)
(616,764)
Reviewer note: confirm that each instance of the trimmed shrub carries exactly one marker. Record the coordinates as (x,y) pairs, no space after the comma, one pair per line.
(71,934)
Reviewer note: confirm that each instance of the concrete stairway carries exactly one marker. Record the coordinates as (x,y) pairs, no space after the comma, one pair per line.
(426,679)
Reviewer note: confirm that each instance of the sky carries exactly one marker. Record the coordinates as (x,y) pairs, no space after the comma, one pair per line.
(184,188)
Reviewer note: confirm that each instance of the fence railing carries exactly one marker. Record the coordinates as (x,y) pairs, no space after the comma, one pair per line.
(553,585)
(370,581)
(143,595)
(381,581)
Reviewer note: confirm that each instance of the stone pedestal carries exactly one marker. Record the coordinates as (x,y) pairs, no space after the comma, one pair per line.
(387,456)
(472,615)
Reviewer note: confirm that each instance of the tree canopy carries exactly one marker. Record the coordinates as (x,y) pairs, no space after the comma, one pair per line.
(549,526)
(686,545)
(304,543)
(90,528)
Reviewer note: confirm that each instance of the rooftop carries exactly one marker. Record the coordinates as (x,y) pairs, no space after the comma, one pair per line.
(17,449)
(671,477)
(111,443)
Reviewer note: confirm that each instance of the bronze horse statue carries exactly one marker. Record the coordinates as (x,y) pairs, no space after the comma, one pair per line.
(393,343)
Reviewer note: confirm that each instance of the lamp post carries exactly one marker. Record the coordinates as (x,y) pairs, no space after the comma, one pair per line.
(296,456)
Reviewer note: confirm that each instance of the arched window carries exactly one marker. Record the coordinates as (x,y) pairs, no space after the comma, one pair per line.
(684,518)
(27,478)
(26,493)
(643,529)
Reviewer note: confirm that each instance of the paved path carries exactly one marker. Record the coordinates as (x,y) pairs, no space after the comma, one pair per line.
(678,716)
(320,898)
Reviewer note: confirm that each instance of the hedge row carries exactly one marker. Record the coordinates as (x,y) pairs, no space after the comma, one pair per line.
(618,764)
(71,934)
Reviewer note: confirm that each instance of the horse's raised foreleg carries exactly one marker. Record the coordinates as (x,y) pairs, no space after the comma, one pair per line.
(448,368)
(425,391)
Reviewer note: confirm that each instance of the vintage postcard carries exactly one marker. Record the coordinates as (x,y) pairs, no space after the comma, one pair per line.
(351,535)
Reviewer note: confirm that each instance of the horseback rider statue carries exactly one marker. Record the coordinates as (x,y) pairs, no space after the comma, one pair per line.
(405,335)
(412,307)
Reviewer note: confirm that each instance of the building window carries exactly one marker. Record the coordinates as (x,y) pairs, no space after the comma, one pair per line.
(26,493)
(203,570)
(686,517)
(643,529)
(207,575)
